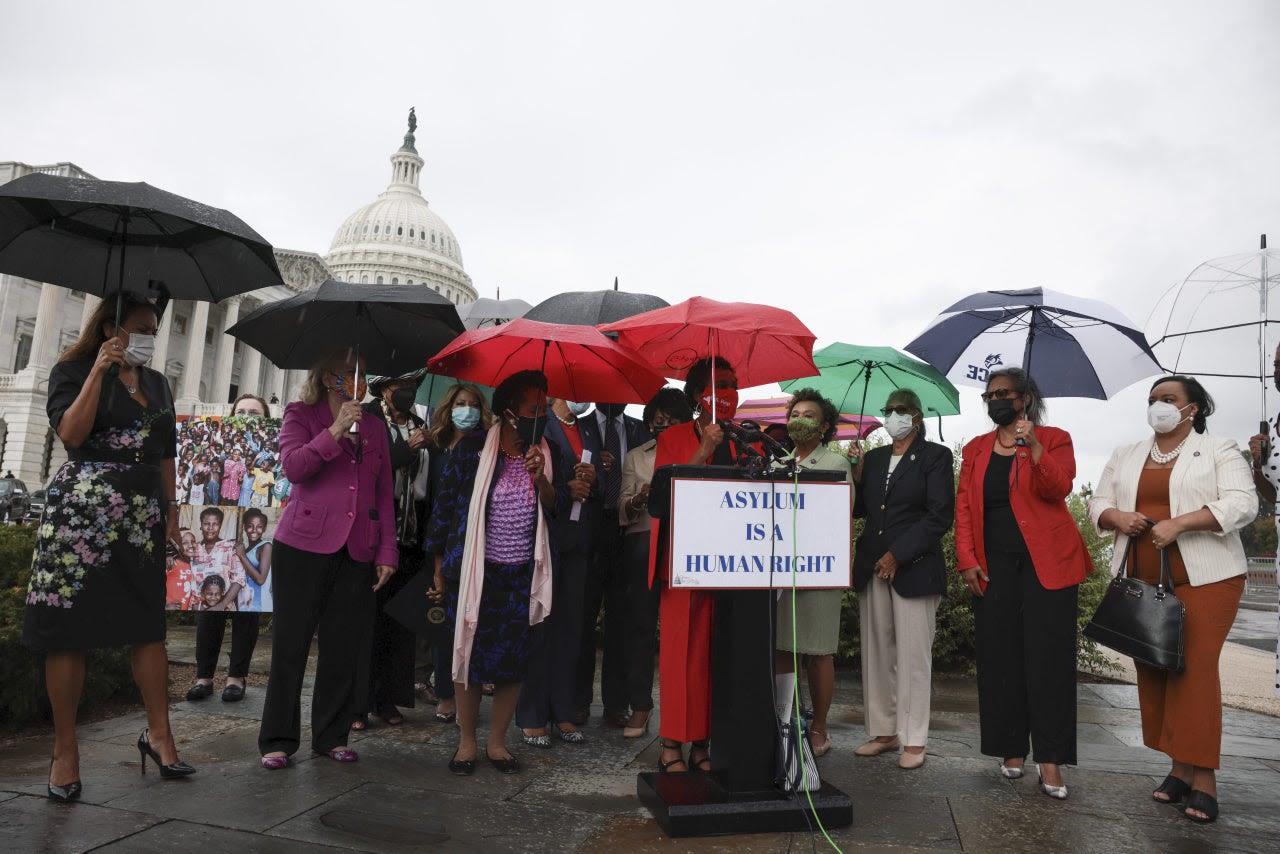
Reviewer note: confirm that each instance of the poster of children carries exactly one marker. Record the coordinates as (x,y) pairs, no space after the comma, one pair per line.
(232,488)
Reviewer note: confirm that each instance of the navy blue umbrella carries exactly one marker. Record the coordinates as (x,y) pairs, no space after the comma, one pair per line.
(1072,347)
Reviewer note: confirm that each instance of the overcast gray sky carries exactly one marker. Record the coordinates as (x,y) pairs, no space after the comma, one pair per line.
(862,164)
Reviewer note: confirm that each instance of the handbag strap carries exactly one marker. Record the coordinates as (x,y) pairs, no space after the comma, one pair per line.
(1165,585)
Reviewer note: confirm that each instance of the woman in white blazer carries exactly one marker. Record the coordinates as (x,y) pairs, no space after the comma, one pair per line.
(1188,494)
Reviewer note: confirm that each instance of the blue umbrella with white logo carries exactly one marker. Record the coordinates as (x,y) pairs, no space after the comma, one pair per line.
(1073,347)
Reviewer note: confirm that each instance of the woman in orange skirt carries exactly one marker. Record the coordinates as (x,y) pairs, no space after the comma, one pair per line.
(1187,494)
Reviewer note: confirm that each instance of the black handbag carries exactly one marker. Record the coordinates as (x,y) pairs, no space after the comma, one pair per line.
(1143,621)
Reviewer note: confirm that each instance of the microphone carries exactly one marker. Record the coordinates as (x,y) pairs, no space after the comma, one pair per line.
(776,448)
(739,437)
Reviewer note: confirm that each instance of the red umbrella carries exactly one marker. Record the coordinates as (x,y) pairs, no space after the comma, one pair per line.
(579,361)
(764,344)
(773,410)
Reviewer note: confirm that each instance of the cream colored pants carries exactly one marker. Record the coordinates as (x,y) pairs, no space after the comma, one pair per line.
(897,661)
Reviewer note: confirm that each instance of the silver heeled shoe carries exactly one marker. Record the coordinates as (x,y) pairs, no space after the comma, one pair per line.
(1010,773)
(1057,792)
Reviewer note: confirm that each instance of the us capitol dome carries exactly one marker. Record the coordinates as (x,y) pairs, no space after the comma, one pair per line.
(398,239)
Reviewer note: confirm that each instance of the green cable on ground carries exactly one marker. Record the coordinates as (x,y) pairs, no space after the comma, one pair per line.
(795,663)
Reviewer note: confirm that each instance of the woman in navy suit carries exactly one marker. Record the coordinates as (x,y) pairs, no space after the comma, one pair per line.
(907,496)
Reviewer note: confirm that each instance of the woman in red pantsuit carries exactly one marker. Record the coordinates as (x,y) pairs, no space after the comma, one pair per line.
(684,644)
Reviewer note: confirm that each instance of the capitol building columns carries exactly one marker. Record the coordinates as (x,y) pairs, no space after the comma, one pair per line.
(188,394)
(220,391)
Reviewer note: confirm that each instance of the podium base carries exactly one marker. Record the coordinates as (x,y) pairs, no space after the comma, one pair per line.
(695,804)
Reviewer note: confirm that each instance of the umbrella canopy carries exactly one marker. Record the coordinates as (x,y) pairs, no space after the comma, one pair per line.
(1214,323)
(1073,347)
(850,376)
(102,236)
(486,312)
(764,344)
(773,410)
(592,308)
(395,327)
(579,361)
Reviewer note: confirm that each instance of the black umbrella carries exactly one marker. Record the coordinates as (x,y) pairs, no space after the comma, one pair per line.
(592,308)
(394,328)
(100,237)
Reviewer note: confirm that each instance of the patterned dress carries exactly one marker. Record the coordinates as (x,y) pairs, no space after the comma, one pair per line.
(98,573)
(500,650)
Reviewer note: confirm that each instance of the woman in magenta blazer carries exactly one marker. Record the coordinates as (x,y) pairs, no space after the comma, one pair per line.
(335,544)
(1023,558)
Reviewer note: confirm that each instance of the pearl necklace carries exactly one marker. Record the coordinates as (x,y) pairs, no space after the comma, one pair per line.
(1161,458)
(568,422)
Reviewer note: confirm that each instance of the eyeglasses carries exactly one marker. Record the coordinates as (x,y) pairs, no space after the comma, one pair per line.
(900,409)
(998,394)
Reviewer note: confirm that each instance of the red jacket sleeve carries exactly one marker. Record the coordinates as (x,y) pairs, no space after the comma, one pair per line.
(1052,477)
(966,548)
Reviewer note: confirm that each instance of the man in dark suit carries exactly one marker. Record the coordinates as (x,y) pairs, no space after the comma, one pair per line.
(606,582)
(549,691)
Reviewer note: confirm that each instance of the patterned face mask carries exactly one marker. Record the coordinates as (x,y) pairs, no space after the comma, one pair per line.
(346,384)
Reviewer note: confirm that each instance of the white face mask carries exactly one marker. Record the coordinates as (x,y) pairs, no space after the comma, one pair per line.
(578,409)
(899,426)
(140,350)
(1164,417)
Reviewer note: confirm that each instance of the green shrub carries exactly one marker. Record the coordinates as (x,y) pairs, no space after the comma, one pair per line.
(108,675)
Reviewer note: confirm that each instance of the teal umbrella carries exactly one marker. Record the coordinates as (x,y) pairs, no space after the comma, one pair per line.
(850,375)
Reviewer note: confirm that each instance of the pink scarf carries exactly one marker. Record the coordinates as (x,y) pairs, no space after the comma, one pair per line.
(471,580)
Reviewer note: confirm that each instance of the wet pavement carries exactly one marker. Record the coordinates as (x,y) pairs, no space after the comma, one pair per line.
(401,797)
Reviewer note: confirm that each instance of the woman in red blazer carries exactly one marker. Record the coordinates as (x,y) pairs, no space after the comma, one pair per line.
(684,639)
(1022,556)
(335,545)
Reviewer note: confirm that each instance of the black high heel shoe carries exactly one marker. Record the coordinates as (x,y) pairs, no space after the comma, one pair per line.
(64,794)
(167,772)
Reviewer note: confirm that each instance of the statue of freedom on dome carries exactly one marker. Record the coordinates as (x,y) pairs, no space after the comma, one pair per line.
(413,121)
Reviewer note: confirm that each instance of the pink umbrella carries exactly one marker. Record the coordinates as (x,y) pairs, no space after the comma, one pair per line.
(773,410)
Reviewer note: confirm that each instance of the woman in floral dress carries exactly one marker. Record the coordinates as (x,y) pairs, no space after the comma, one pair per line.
(98,574)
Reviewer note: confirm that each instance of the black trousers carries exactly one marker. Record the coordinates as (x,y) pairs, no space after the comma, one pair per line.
(386,675)
(642,629)
(547,693)
(607,587)
(211,627)
(1026,643)
(334,594)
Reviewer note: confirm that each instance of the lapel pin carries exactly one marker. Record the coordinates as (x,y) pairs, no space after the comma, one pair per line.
(1196,454)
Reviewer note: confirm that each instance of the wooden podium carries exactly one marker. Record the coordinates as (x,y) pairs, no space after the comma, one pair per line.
(738,795)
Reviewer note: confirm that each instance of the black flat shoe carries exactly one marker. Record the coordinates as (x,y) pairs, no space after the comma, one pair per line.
(1174,787)
(232,693)
(64,794)
(199,691)
(510,765)
(1203,802)
(167,772)
(463,767)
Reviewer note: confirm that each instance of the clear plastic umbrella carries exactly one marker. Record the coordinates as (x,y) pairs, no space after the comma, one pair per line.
(1214,323)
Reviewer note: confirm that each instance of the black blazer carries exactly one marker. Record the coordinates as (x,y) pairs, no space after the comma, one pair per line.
(566,534)
(907,517)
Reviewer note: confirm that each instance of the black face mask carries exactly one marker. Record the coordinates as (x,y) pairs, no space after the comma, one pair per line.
(611,410)
(1002,412)
(402,399)
(529,430)
(1275,380)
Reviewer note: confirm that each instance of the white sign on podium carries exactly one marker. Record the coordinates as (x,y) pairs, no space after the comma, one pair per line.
(744,534)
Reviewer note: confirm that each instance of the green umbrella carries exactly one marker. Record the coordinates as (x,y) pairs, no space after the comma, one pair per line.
(851,375)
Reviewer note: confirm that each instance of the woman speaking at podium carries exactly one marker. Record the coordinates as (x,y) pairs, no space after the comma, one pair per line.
(684,646)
